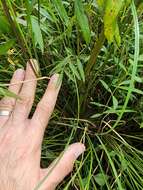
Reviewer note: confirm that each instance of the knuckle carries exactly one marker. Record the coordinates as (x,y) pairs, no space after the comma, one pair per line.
(43,107)
(7,102)
(26,100)
(68,168)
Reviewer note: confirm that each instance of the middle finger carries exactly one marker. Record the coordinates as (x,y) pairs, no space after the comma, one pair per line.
(27,94)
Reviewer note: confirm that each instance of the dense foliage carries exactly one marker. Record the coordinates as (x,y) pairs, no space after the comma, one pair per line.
(96,46)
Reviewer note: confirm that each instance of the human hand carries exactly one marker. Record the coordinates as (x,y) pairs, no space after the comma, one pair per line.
(21,138)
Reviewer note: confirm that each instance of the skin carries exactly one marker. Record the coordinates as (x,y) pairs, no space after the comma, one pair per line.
(21,137)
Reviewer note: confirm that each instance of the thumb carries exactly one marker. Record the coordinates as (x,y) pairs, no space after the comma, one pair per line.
(61,167)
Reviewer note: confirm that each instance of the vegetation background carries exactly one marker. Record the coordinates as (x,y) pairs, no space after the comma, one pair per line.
(96,46)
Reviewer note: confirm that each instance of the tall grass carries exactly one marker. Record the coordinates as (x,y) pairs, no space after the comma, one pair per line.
(96,46)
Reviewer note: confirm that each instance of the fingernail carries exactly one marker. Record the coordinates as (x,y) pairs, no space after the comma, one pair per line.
(79,150)
(19,73)
(34,65)
(55,80)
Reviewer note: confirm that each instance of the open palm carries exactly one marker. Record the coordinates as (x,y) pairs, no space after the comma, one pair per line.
(21,137)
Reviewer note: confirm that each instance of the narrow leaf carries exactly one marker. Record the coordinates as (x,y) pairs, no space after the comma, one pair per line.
(115,102)
(4,92)
(80,68)
(82,20)
(74,70)
(38,39)
(61,10)
(105,86)
(117,35)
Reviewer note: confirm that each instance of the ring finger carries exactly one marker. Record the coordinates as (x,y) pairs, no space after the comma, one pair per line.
(7,103)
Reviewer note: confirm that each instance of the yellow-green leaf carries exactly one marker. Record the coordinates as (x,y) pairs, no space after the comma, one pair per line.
(127,2)
(110,18)
(101,3)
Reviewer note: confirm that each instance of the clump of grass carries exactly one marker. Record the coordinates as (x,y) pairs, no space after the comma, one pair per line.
(96,47)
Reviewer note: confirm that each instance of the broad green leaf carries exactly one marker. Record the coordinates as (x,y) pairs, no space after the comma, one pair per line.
(101,179)
(38,39)
(80,68)
(4,47)
(4,25)
(61,10)
(82,20)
